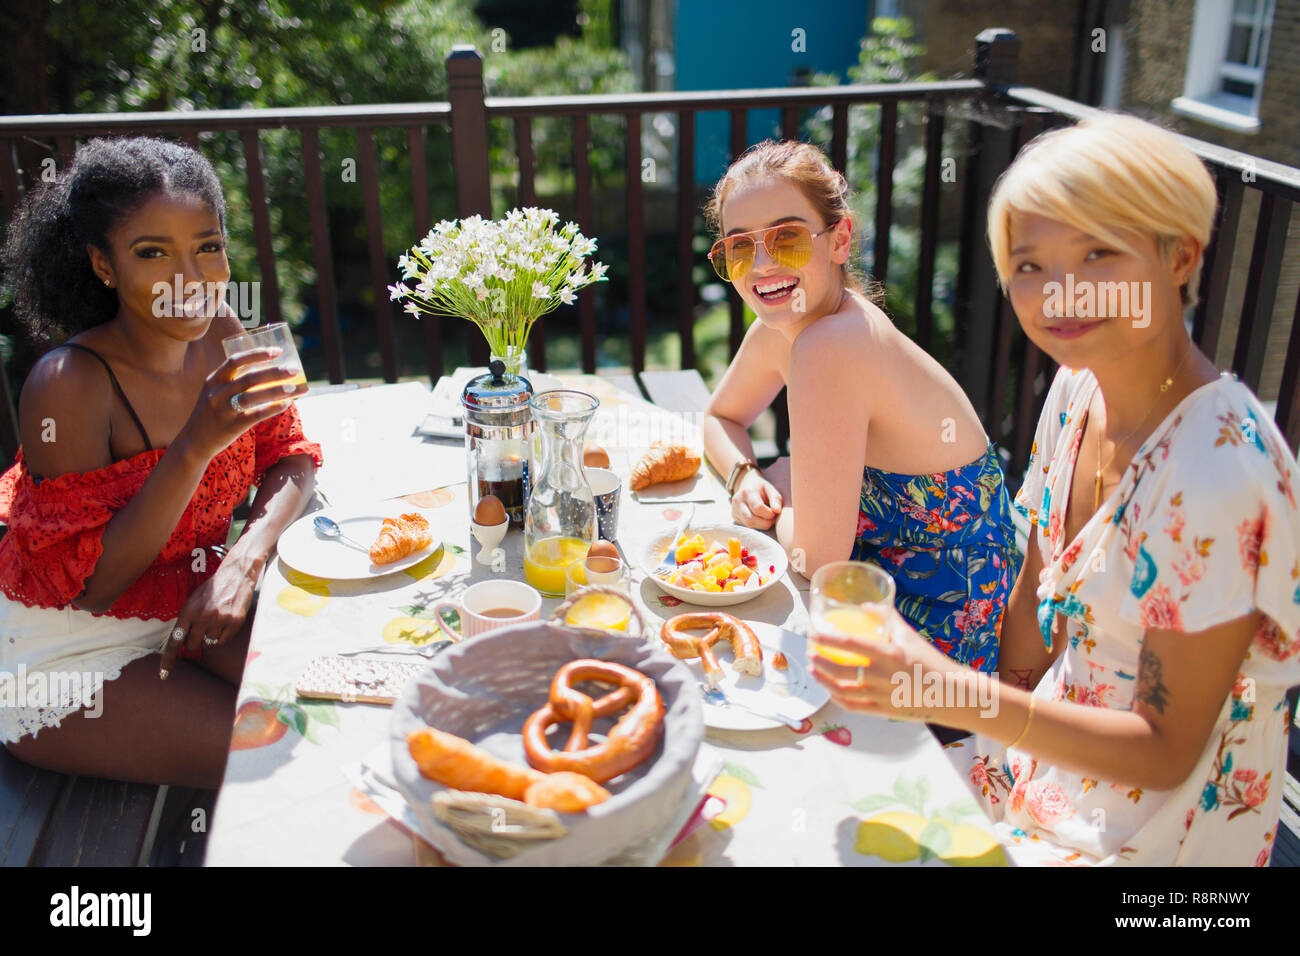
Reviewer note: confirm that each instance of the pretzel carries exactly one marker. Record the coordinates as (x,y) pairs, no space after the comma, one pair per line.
(722,627)
(627,744)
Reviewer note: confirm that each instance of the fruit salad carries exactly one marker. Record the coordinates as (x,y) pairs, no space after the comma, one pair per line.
(701,567)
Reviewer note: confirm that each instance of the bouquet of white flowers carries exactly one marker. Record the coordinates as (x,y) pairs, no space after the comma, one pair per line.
(501,274)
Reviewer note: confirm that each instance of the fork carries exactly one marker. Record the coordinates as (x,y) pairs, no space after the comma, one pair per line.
(669,563)
(716,696)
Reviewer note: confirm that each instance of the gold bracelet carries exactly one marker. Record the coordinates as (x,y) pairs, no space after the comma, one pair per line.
(1028,720)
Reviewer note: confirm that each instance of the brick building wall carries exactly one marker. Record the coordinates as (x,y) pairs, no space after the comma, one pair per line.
(948,29)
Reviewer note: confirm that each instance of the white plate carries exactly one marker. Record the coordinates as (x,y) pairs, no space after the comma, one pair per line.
(794,692)
(767,551)
(304,550)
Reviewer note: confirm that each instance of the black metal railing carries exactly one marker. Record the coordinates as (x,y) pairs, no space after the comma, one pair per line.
(1002,372)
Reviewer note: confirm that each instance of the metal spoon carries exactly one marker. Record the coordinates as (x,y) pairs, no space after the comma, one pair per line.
(716,696)
(329,528)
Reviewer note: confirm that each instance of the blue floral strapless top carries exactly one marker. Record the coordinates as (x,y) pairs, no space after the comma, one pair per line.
(949,543)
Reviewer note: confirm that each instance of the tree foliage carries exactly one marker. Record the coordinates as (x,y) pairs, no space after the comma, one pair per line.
(162,55)
(889,54)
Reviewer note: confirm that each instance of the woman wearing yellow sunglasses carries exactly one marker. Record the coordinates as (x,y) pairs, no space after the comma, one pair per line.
(888,460)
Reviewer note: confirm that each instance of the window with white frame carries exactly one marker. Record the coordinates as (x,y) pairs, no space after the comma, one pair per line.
(1226,61)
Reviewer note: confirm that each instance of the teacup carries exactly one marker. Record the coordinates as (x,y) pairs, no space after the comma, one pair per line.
(489,605)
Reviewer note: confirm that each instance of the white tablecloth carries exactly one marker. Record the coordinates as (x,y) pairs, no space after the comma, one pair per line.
(846,789)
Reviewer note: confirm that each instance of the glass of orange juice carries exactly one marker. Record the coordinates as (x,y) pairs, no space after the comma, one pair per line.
(606,612)
(277,335)
(850,599)
(599,610)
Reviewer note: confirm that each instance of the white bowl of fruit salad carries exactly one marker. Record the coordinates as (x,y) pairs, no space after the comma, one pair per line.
(717,565)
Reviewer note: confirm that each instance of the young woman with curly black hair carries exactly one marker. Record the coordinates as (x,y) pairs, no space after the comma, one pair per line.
(124,621)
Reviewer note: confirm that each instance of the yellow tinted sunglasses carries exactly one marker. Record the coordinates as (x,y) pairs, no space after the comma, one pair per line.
(789,244)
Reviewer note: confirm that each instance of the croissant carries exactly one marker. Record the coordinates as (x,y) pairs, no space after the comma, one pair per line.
(456,763)
(664,462)
(399,537)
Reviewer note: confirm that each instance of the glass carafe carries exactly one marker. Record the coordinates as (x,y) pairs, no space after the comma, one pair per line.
(560,521)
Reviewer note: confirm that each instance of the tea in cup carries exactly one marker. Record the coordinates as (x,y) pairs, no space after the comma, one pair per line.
(489,605)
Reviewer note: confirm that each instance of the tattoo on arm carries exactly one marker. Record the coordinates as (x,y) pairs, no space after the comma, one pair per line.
(1151,690)
(1020,677)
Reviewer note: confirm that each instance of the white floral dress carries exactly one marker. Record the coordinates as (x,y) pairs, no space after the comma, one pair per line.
(1202,529)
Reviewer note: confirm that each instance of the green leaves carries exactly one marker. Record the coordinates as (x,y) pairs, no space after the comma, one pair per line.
(874,803)
(320,710)
(170,55)
(935,839)
(960,808)
(742,774)
(912,793)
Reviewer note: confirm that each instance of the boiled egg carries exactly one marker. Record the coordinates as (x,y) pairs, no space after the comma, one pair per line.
(489,511)
(603,557)
(594,456)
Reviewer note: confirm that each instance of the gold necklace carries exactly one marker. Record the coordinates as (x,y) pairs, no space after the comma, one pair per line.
(1164,387)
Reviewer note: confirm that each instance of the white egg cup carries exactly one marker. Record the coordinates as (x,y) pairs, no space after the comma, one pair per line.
(488,536)
(611,578)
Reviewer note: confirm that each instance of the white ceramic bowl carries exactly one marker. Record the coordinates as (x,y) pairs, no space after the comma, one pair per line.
(765,549)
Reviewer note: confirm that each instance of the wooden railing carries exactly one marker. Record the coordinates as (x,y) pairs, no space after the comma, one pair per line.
(1002,372)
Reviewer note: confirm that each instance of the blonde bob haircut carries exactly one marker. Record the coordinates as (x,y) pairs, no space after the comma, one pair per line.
(1105,176)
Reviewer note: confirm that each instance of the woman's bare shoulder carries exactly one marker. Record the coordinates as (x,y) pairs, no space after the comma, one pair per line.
(858,332)
(63,413)
(762,337)
(65,374)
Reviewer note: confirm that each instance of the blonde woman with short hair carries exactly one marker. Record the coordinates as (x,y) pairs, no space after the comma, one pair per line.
(1152,634)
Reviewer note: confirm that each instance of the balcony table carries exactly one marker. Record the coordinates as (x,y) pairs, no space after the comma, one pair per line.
(782,798)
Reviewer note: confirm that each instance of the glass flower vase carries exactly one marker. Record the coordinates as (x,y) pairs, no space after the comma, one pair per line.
(515,360)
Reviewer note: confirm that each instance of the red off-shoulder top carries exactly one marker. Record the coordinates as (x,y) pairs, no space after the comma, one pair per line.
(56,525)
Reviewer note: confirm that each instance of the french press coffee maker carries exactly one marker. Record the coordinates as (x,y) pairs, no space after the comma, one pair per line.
(499,440)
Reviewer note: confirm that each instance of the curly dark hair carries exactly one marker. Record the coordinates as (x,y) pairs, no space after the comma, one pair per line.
(56,293)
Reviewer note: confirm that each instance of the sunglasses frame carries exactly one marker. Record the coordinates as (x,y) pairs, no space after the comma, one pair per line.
(765,232)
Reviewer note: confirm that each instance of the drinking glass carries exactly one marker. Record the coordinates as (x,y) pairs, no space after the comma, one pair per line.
(278,336)
(853,599)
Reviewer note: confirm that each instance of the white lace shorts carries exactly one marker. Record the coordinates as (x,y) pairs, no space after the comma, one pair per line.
(53,663)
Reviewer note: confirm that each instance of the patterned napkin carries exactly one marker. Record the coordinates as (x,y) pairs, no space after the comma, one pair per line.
(374,777)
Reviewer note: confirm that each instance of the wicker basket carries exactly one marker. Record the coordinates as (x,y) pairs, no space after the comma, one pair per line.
(483,690)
